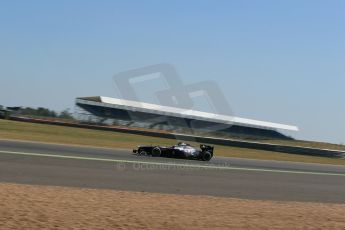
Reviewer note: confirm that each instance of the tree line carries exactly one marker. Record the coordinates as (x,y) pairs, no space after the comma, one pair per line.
(44,112)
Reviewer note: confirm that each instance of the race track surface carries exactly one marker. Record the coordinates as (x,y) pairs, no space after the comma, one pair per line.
(62,165)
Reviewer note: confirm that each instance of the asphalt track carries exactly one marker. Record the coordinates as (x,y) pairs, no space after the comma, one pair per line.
(62,165)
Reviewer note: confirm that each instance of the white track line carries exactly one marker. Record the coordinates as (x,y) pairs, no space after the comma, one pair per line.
(170,164)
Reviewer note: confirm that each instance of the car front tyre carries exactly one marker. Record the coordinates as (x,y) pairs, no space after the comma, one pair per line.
(142,153)
(156,152)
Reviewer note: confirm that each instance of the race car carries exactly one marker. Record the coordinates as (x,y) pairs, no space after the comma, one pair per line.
(181,150)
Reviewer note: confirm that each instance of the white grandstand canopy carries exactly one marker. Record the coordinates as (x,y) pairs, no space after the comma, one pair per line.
(137,106)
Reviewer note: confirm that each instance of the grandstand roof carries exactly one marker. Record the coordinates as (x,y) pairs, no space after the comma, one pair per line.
(137,106)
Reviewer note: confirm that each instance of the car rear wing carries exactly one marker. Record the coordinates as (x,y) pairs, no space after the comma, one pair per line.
(206,148)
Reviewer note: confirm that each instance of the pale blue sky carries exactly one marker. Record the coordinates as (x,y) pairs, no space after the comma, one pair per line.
(279,61)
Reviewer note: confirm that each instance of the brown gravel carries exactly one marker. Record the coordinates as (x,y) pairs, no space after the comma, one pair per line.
(36,207)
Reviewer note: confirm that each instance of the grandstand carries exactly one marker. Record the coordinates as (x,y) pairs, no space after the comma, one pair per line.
(113,111)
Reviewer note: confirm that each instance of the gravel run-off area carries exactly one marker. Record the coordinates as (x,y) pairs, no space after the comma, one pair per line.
(36,207)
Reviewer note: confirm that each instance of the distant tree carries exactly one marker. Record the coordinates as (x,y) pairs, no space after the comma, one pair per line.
(28,111)
(40,112)
(53,114)
(44,112)
(66,114)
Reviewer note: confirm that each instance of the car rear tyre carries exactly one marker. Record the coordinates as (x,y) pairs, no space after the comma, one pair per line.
(206,156)
(156,152)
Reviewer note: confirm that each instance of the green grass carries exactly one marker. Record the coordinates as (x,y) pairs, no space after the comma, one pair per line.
(78,136)
(310,144)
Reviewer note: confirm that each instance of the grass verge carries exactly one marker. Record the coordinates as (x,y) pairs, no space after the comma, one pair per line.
(78,136)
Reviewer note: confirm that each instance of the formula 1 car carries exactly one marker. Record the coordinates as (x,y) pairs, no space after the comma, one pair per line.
(181,150)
